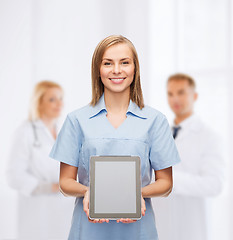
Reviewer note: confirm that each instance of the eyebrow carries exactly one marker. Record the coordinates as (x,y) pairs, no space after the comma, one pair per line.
(108,59)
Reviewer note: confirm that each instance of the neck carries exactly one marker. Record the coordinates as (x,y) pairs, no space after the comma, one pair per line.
(49,122)
(181,118)
(116,102)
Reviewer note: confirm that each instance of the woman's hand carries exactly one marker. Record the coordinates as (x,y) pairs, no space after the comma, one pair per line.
(128,220)
(86,209)
(55,187)
(143,206)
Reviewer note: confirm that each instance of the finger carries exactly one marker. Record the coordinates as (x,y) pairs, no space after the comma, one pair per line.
(90,220)
(85,206)
(87,212)
(130,220)
(102,220)
(144,207)
(143,211)
(125,220)
(105,220)
(96,220)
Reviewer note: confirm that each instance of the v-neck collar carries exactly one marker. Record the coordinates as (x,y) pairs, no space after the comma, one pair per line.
(133,109)
(40,124)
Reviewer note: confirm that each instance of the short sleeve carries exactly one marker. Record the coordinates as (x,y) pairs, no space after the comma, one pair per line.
(163,151)
(68,143)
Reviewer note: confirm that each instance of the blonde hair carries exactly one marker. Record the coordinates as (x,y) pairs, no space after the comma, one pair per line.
(182,77)
(97,85)
(37,95)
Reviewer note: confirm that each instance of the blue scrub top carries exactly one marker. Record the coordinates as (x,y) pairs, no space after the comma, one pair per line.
(87,132)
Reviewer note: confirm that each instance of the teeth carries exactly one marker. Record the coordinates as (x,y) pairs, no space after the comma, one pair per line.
(116,79)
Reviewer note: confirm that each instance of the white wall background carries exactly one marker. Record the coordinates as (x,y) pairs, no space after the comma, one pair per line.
(55,39)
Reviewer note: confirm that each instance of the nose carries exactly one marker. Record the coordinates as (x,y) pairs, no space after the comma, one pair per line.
(174,100)
(116,68)
(60,102)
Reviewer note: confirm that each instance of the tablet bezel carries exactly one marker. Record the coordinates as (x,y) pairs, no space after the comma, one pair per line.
(114,216)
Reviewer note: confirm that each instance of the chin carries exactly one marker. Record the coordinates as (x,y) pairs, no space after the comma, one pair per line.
(57,115)
(177,113)
(118,89)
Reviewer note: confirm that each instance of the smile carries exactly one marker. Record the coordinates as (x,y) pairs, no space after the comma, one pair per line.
(117,80)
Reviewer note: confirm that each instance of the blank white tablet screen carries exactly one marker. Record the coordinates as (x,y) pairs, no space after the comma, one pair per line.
(115,187)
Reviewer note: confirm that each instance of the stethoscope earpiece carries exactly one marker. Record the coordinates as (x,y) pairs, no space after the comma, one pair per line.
(36,142)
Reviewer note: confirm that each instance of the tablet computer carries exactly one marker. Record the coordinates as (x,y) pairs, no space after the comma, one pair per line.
(115,187)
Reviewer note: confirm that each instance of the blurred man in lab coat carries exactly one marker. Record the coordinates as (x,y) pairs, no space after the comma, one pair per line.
(185,215)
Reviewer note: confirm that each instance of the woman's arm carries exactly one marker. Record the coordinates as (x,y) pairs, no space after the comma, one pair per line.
(68,181)
(162,185)
(70,187)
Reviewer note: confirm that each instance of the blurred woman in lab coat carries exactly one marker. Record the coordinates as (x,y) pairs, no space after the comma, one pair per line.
(33,174)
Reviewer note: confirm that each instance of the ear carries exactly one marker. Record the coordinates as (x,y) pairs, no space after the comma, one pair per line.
(195,96)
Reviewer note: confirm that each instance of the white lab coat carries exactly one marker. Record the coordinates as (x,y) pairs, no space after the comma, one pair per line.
(46,215)
(186,213)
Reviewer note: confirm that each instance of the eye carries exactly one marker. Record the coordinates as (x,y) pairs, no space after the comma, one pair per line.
(52,99)
(125,62)
(107,63)
(181,92)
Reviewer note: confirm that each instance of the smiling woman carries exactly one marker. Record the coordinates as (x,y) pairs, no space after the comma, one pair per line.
(129,52)
(117,73)
(116,122)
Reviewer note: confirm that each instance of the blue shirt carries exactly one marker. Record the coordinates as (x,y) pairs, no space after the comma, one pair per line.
(87,132)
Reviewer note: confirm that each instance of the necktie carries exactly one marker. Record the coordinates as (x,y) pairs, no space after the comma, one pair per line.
(175,131)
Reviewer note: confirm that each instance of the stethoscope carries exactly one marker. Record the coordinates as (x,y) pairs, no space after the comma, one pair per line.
(36,142)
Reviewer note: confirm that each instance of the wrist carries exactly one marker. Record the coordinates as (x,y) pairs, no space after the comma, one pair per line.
(86,190)
(143,192)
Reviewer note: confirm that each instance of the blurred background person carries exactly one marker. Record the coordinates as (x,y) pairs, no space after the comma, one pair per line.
(186,214)
(42,212)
